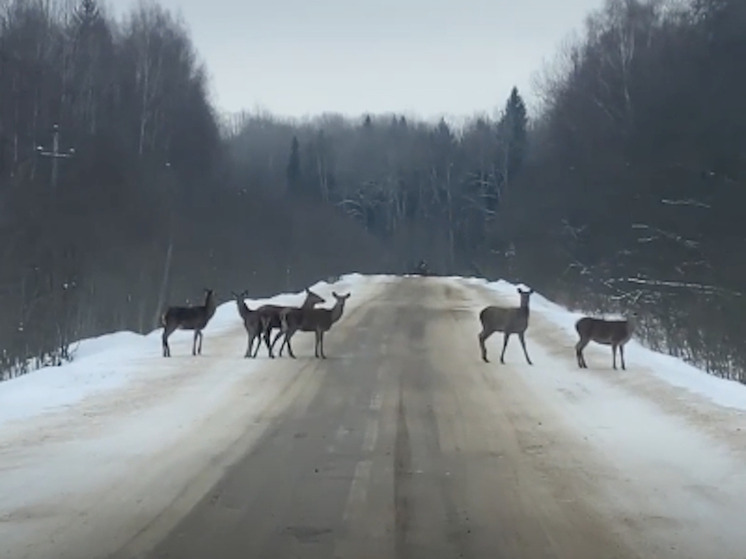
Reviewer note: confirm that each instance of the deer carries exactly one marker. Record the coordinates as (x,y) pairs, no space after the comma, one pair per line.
(508,320)
(188,318)
(252,321)
(318,321)
(270,316)
(615,333)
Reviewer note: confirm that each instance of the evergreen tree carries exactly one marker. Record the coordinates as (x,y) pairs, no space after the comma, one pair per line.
(512,135)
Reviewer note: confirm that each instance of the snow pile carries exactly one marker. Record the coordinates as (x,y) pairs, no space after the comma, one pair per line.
(674,371)
(108,362)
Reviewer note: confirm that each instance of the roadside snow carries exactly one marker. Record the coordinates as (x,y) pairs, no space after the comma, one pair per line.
(111,361)
(674,371)
(668,441)
(71,436)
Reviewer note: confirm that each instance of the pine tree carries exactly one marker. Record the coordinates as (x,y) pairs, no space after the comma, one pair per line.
(512,130)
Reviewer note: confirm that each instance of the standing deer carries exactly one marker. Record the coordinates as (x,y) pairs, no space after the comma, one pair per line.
(615,333)
(252,321)
(318,321)
(270,316)
(188,318)
(506,320)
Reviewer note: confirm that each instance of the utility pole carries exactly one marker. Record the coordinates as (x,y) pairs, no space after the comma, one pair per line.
(55,154)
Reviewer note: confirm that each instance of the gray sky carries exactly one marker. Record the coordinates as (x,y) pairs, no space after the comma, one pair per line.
(421,57)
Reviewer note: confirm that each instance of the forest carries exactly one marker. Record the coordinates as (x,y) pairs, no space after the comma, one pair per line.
(620,192)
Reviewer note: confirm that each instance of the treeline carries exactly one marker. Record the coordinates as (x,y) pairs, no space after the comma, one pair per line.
(634,190)
(624,191)
(426,190)
(147,209)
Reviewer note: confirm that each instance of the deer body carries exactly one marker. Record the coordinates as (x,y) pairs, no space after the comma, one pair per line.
(508,320)
(188,318)
(252,321)
(318,321)
(270,318)
(615,333)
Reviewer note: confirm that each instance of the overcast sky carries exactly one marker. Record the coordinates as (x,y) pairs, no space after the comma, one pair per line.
(420,57)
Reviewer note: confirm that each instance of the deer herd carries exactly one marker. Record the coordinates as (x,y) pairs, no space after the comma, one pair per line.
(288,320)
(514,320)
(259,322)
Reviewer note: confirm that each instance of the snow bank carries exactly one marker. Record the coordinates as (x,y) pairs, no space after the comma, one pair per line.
(674,371)
(107,362)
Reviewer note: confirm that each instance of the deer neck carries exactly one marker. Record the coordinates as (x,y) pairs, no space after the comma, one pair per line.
(210,305)
(242,308)
(337,310)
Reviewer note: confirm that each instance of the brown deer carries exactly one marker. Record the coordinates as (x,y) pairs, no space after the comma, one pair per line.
(270,316)
(252,321)
(615,333)
(188,318)
(507,320)
(318,321)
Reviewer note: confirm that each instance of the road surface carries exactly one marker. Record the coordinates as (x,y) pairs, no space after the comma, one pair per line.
(404,444)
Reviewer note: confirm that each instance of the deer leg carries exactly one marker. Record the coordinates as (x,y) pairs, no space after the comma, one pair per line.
(270,348)
(621,354)
(265,336)
(482,338)
(258,342)
(579,353)
(199,348)
(321,344)
(164,342)
(522,338)
(277,337)
(613,352)
(258,338)
(283,344)
(251,343)
(287,341)
(506,337)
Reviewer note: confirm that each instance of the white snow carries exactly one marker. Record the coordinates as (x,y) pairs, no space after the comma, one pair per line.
(70,434)
(67,432)
(110,361)
(668,439)
(723,392)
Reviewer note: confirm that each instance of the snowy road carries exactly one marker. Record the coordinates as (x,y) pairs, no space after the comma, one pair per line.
(402,444)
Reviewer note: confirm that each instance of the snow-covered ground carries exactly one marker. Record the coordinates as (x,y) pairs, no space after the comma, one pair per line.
(661,425)
(113,360)
(69,435)
(669,369)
